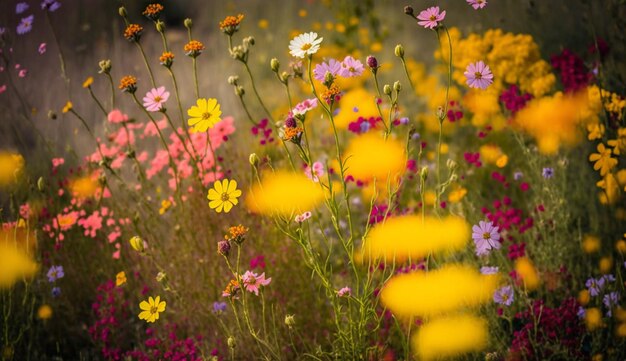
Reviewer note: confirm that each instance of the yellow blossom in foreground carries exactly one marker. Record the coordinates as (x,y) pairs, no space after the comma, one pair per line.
(525,269)
(450,336)
(604,163)
(370,157)
(223,195)
(435,292)
(15,265)
(593,318)
(204,115)
(151,309)
(11,166)
(44,312)
(120,278)
(84,187)
(407,236)
(284,193)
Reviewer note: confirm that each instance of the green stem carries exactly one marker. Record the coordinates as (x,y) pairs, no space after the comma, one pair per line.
(145,61)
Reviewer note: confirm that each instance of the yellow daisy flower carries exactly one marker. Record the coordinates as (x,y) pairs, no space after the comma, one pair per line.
(120,278)
(68,107)
(223,195)
(87,83)
(603,161)
(151,309)
(204,115)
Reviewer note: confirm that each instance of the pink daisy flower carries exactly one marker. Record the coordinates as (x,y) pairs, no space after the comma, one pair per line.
(477,4)
(303,217)
(252,281)
(314,173)
(305,106)
(431,17)
(351,67)
(478,75)
(154,99)
(333,67)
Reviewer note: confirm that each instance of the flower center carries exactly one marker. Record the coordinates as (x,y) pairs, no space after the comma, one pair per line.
(154,309)
(478,75)
(225,197)
(433,18)
(206,116)
(486,235)
(352,70)
(306,46)
(157,99)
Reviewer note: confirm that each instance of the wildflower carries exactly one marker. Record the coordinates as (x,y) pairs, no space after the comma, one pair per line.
(292,134)
(151,309)
(504,296)
(56,291)
(223,248)
(68,107)
(55,273)
(477,4)
(547,172)
(15,265)
(166,59)
(155,98)
(305,44)
(370,156)
(87,83)
(166,204)
(619,144)
(351,67)
(26,24)
(344,292)
(593,318)
(252,281)
(304,107)
(231,289)
(137,244)
(478,75)
(450,336)
(591,244)
(237,234)
(527,272)
(193,48)
(219,307)
(331,94)
(153,11)
(486,237)
(133,32)
(128,84)
(603,161)
(11,166)
(315,172)
(44,312)
(21,7)
(290,321)
(50,5)
(204,115)
(610,300)
(105,66)
(303,217)
(42,48)
(120,278)
(431,17)
(489,270)
(230,24)
(223,195)
(372,62)
(332,67)
(284,193)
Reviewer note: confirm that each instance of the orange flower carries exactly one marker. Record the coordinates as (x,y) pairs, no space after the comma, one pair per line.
(133,32)
(153,11)
(230,24)
(128,84)
(193,48)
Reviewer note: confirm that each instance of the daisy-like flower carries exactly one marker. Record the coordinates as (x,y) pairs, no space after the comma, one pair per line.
(305,106)
(485,236)
(154,99)
(332,66)
(305,44)
(504,296)
(478,75)
(55,273)
(223,196)
(344,292)
(477,4)
(315,172)
(21,7)
(252,281)
(151,309)
(595,286)
(230,24)
(204,115)
(26,24)
(153,11)
(133,32)
(303,217)
(603,160)
(351,67)
(431,17)
(120,278)
(231,289)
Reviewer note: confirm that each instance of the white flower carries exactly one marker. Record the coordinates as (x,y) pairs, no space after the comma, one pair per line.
(305,44)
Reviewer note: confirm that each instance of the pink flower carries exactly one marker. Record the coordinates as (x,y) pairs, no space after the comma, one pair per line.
(154,99)
(431,17)
(351,67)
(252,281)
(315,173)
(57,162)
(116,116)
(22,73)
(303,217)
(305,106)
(477,4)
(478,75)
(344,292)
(42,48)
(333,67)
(3,88)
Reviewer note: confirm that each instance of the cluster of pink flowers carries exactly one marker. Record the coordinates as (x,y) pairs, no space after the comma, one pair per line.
(349,67)
(315,172)
(264,131)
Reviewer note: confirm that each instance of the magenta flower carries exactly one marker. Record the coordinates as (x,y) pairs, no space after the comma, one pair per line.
(154,99)
(431,17)
(477,4)
(351,67)
(485,236)
(478,75)
(252,281)
(42,48)
(314,173)
(333,67)
(305,106)
(344,292)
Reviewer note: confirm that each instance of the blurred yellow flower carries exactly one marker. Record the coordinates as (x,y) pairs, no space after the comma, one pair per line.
(591,244)
(204,115)
(11,166)
(68,107)
(604,163)
(527,272)
(151,309)
(44,312)
(263,24)
(584,297)
(84,187)
(606,265)
(165,206)
(15,264)
(370,157)
(223,196)
(450,336)
(137,244)
(87,83)
(593,318)
(284,193)
(120,278)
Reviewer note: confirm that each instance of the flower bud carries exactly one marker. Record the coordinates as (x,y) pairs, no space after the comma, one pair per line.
(105,66)
(161,277)
(387,89)
(249,41)
(160,26)
(284,76)
(138,244)
(372,62)
(52,115)
(451,164)
(399,51)
(239,90)
(122,11)
(424,173)
(223,248)
(188,23)
(290,321)
(408,10)
(439,113)
(329,78)
(254,159)
(231,342)
(397,86)
(454,178)
(41,184)
(274,64)
(233,79)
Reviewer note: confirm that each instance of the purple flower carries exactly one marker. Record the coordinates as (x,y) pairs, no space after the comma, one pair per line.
(351,67)
(609,278)
(42,48)
(333,67)
(365,127)
(26,24)
(21,7)
(50,5)
(547,172)
(487,270)
(610,300)
(485,236)
(504,296)
(478,75)
(518,175)
(56,291)
(431,17)
(344,292)
(477,4)
(595,286)
(55,273)
(219,307)
(581,312)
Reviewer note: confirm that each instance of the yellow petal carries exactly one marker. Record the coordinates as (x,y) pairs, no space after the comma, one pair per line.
(202,105)
(227,206)
(232,186)
(210,104)
(213,195)
(144,305)
(218,187)
(215,203)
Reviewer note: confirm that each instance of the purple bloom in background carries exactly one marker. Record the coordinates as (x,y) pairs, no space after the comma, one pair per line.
(610,300)
(609,278)
(333,67)
(55,273)
(485,237)
(351,67)
(50,5)
(504,296)
(595,286)
(487,270)
(547,173)
(478,75)
(219,307)
(581,312)
(365,127)
(518,175)
(26,24)
(56,291)
(21,7)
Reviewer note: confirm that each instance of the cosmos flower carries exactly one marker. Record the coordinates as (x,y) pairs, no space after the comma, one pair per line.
(305,44)
(21,7)
(351,67)
(26,24)
(332,66)
(477,4)
(504,296)
(155,98)
(42,48)
(431,17)
(547,172)
(304,106)
(219,307)
(478,75)
(151,309)
(55,273)
(485,236)
(344,292)
(315,172)
(252,282)
(303,217)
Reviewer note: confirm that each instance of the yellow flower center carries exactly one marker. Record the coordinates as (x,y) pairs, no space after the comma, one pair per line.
(225,197)
(154,309)
(157,98)
(306,46)
(486,235)
(206,116)
(433,18)
(478,75)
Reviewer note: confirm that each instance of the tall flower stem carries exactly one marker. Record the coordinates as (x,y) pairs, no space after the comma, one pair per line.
(145,61)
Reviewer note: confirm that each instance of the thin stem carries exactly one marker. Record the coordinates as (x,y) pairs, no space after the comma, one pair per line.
(145,61)
(61,56)
(406,72)
(97,101)
(112,90)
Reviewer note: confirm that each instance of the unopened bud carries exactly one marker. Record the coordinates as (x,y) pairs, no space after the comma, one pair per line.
(424,173)
(439,113)
(188,23)
(387,89)
(408,10)
(122,11)
(329,78)
(233,79)
(239,90)
(52,115)
(451,164)
(397,86)
(249,41)
(223,248)
(161,276)
(284,76)
(274,64)
(41,184)
(105,66)
(138,244)
(399,51)
(254,159)
(372,62)
(290,321)
(160,26)
(454,178)
(231,342)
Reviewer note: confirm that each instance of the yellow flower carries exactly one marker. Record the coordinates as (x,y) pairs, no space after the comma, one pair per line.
(370,157)
(84,187)
(68,107)
(151,309)
(591,244)
(165,205)
(44,312)
(450,336)
(605,265)
(204,115)
(15,265)
(593,318)
(284,193)
(137,244)
(603,161)
(11,165)
(596,131)
(527,272)
(619,144)
(120,278)
(584,297)
(87,83)
(223,195)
